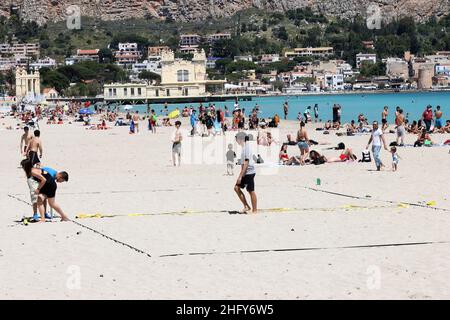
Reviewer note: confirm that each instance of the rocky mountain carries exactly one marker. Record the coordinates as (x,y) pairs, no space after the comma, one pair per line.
(42,11)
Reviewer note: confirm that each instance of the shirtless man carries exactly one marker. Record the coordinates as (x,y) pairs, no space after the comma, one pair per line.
(384,115)
(400,121)
(34,145)
(136,121)
(25,140)
(176,146)
(438,114)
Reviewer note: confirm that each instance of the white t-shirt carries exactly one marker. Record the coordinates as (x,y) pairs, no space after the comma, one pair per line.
(247,154)
(376,137)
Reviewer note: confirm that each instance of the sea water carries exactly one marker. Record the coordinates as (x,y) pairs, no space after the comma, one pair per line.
(370,104)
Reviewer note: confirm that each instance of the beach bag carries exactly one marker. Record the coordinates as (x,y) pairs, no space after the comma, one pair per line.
(366,156)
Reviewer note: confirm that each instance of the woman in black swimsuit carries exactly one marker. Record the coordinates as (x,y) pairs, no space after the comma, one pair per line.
(46,189)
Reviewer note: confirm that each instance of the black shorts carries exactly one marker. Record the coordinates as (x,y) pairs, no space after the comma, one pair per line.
(49,189)
(249,182)
(383,121)
(33,157)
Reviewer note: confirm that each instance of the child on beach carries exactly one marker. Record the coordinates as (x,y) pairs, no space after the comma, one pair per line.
(231,155)
(395,158)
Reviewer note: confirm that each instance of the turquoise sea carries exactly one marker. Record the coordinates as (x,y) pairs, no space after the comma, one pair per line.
(370,104)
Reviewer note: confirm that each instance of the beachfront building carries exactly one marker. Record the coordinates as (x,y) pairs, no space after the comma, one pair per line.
(331,81)
(179,79)
(321,52)
(27,84)
(442,69)
(361,57)
(397,68)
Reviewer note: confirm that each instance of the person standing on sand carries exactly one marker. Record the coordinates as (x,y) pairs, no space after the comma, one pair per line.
(384,114)
(246,178)
(176,144)
(376,138)
(25,140)
(438,114)
(135,119)
(33,147)
(316,112)
(286,109)
(400,128)
(303,142)
(428,117)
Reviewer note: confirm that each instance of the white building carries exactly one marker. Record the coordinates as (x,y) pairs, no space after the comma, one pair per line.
(43,63)
(248,58)
(128,46)
(147,65)
(360,57)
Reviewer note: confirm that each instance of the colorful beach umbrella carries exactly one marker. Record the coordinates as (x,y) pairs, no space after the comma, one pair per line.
(85,111)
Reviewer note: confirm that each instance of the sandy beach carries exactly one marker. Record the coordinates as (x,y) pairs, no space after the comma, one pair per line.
(360,234)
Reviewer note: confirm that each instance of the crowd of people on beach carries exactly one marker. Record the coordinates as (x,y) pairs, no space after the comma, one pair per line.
(208,121)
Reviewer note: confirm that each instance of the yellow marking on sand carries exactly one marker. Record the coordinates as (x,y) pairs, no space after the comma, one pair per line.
(431,203)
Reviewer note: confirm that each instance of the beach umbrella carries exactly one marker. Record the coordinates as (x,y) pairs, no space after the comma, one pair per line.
(174,114)
(85,111)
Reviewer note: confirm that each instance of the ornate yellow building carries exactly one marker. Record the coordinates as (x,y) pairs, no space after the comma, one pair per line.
(179,78)
(27,83)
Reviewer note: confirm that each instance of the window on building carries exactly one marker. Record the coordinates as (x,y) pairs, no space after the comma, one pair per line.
(132,91)
(139,91)
(168,92)
(114,92)
(125,92)
(183,75)
(110,92)
(157,93)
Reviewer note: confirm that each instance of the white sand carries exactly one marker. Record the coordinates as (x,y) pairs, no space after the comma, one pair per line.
(112,172)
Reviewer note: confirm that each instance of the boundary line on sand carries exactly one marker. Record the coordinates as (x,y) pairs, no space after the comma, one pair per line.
(249,251)
(379,200)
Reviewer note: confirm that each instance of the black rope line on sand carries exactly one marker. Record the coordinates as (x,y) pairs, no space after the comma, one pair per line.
(93,230)
(250,251)
(306,249)
(370,199)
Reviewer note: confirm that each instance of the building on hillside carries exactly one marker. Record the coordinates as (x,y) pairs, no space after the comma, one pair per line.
(269,58)
(43,63)
(188,49)
(441,81)
(179,78)
(247,58)
(397,68)
(27,84)
(211,62)
(309,52)
(361,57)
(425,77)
(147,65)
(127,54)
(156,51)
(218,36)
(368,45)
(31,50)
(190,40)
(442,69)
